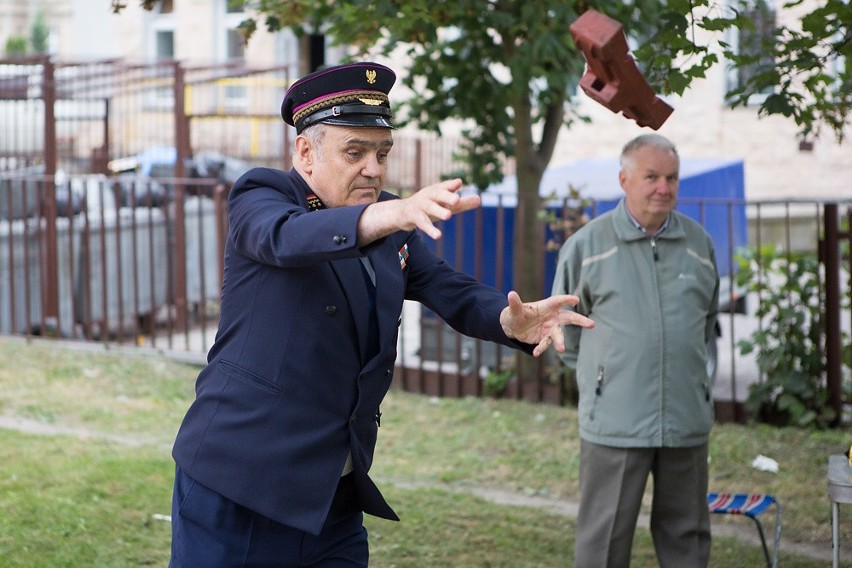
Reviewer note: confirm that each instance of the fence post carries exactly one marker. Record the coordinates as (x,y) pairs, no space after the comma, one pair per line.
(181,155)
(50,260)
(831,260)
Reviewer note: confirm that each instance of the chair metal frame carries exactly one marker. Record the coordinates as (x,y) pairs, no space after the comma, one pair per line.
(750,505)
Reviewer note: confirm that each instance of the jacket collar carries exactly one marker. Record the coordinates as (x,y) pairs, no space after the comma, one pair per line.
(627,231)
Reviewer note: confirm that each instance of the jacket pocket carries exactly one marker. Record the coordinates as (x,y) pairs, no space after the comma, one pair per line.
(238,372)
(599,385)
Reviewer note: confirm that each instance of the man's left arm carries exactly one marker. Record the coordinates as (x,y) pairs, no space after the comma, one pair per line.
(540,323)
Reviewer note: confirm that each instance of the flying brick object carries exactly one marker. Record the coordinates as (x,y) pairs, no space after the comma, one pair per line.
(611,76)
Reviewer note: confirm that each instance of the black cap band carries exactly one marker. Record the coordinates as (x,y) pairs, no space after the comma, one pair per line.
(340,110)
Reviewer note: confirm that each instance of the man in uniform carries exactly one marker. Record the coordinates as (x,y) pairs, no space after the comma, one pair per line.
(273,456)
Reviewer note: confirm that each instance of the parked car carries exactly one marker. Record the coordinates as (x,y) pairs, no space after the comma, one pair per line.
(23,193)
(158,163)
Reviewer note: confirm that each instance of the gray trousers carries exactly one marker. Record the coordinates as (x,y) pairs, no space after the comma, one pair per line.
(612,483)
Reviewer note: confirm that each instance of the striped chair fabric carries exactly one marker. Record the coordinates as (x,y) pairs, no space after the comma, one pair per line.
(750,505)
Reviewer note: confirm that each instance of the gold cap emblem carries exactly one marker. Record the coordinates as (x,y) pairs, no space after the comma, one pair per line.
(371,76)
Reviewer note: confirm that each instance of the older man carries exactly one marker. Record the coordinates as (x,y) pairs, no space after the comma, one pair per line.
(647,276)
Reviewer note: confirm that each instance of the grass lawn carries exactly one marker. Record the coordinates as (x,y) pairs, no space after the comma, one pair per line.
(90,488)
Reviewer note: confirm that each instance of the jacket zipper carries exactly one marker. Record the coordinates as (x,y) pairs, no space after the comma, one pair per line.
(598,389)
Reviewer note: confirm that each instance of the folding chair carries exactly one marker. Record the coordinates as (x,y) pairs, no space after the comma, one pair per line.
(751,505)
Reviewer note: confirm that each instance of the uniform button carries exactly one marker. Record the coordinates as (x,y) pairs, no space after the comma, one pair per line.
(339,239)
(387,372)
(330,309)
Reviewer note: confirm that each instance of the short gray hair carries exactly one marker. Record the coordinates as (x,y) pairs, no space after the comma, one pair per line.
(654,140)
(315,133)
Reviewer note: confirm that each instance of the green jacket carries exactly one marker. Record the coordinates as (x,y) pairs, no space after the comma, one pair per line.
(641,371)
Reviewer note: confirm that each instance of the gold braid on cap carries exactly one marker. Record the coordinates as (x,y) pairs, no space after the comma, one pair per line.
(367,97)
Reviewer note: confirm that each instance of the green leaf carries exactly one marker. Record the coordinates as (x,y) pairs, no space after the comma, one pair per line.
(777,104)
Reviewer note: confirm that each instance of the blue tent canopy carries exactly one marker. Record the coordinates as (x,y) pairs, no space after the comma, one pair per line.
(597,179)
(712,191)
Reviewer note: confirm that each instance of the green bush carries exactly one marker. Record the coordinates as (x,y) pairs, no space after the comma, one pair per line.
(16,45)
(39,34)
(789,343)
(497,381)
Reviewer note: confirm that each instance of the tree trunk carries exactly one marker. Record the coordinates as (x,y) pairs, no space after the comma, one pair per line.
(528,248)
(528,255)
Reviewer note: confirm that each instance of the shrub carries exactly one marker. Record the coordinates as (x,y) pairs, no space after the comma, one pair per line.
(16,45)
(790,339)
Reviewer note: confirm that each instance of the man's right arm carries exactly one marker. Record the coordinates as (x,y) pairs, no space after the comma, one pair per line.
(437,202)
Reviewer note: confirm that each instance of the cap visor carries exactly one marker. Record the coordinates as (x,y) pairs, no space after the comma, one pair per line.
(360,120)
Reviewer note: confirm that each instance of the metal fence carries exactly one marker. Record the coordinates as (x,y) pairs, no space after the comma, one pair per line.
(167,120)
(112,222)
(138,261)
(112,261)
(436,360)
(110,173)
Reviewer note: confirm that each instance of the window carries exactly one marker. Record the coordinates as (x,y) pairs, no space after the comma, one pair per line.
(160,46)
(235,48)
(164,44)
(231,43)
(233,51)
(164,49)
(751,42)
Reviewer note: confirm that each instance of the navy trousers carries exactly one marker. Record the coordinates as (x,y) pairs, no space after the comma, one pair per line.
(210,531)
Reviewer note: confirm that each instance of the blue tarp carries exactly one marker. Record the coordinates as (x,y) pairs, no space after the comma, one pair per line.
(711,191)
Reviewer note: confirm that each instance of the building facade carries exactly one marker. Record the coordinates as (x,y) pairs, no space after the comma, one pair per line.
(777,164)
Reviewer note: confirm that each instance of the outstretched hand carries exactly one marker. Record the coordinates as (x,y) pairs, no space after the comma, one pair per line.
(436,202)
(541,322)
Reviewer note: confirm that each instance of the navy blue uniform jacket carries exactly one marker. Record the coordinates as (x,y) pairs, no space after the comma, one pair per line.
(288,391)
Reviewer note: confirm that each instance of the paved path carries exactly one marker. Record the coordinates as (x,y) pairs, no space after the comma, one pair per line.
(741,529)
